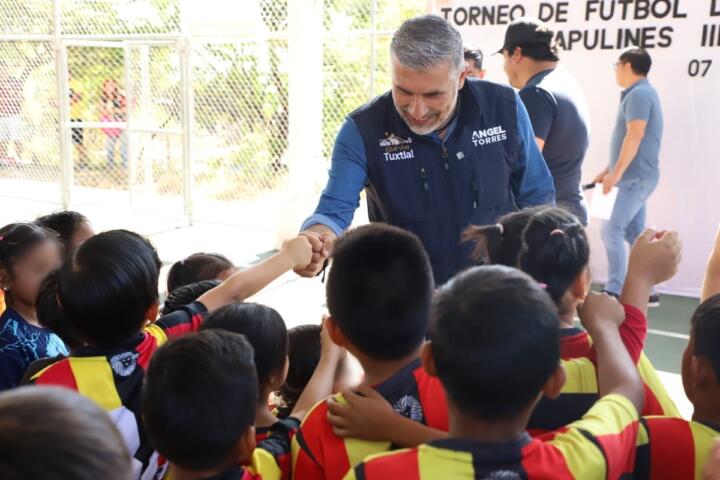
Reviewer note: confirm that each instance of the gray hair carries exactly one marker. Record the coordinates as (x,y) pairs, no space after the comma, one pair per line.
(424,42)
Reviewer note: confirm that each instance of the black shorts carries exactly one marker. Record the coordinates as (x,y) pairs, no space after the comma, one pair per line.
(77,133)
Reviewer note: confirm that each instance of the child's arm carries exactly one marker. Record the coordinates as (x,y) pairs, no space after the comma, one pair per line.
(294,253)
(321,382)
(601,315)
(711,282)
(654,258)
(368,416)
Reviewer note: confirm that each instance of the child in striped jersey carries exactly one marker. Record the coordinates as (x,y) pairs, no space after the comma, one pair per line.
(108,295)
(551,245)
(677,448)
(494,344)
(200,399)
(265,329)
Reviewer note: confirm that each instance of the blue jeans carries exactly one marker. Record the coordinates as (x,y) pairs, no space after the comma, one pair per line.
(110,143)
(626,223)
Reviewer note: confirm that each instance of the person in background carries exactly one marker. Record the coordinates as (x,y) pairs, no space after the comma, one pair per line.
(11,100)
(72,227)
(556,104)
(114,109)
(634,162)
(474,58)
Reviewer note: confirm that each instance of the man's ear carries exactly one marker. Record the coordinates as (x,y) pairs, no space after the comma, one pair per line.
(554,384)
(428,361)
(516,55)
(335,333)
(463,76)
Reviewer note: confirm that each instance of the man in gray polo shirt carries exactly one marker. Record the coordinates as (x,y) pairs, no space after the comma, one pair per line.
(634,161)
(556,104)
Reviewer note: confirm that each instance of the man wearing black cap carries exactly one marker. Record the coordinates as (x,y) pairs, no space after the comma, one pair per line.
(556,104)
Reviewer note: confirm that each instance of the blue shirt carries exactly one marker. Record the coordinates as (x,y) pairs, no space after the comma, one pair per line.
(349,174)
(561,117)
(639,102)
(21,344)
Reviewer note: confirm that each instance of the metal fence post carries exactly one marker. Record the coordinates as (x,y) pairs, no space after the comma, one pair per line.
(63,93)
(188,109)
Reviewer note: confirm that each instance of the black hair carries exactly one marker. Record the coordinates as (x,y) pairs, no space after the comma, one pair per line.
(51,432)
(304,355)
(263,327)
(379,290)
(65,223)
(638,58)
(542,52)
(555,250)
(196,267)
(18,239)
(475,57)
(706,329)
(495,340)
(187,294)
(50,314)
(107,286)
(500,244)
(199,397)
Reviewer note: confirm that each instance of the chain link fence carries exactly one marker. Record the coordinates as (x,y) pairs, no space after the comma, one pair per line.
(120,101)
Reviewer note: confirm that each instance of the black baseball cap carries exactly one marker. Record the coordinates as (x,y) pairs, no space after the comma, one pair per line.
(526,31)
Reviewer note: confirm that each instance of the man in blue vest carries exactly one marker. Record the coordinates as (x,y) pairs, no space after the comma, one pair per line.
(435,154)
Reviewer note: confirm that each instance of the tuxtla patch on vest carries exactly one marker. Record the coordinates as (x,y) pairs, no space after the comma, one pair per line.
(488,136)
(396,148)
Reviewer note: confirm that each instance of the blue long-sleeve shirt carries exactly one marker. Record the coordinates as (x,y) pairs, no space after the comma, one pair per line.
(532,183)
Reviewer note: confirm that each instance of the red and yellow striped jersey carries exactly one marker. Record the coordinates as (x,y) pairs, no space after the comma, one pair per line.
(599,446)
(287,426)
(269,460)
(581,389)
(320,454)
(113,377)
(670,448)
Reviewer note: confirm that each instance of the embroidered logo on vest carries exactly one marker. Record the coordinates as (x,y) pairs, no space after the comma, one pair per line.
(396,148)
(489,135)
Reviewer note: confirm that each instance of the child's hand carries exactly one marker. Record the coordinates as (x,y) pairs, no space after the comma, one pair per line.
(299,250)
(366,416)
(655,256)
(327,346)
(600,309)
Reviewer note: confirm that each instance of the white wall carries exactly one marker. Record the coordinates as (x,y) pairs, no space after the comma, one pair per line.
(688,197)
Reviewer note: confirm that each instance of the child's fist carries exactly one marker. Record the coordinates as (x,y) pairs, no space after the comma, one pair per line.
(299,250)
(655,255)
(600,309)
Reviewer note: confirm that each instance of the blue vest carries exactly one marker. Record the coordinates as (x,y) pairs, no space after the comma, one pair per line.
(436,189)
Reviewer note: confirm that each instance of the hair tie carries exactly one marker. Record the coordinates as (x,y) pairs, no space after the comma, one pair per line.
(500,227)
(557,231)
(543,286)
(2,237)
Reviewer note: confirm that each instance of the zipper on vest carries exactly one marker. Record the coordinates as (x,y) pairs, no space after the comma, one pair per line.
(425,185)
(476,194)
